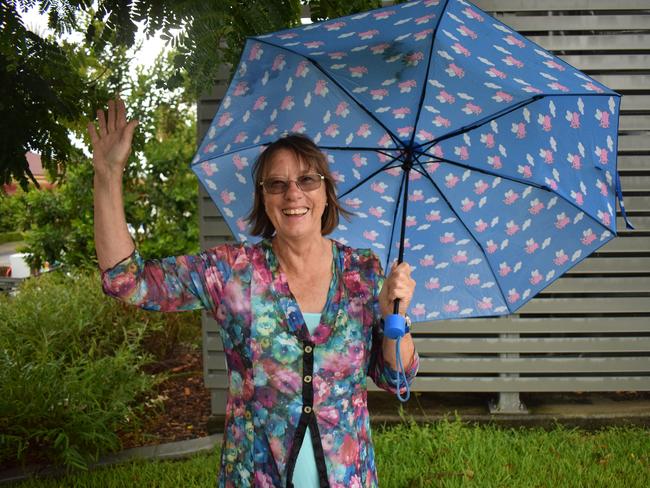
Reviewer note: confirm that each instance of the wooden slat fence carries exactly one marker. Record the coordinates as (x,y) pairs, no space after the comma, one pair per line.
(590,330)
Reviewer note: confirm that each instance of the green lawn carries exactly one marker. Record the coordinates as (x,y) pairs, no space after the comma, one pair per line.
(447,454)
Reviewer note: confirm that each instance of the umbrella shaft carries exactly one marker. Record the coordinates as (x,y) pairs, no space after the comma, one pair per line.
(408,164)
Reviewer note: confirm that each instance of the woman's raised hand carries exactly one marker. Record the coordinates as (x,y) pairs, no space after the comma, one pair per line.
(112,143)
(111,149)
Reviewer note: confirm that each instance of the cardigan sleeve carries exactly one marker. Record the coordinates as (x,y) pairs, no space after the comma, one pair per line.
(174,283)
(379,370)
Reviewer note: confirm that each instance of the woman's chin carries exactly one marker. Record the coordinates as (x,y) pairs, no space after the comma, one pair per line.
(297,231)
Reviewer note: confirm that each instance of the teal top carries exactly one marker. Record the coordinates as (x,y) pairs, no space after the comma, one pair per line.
(305,474)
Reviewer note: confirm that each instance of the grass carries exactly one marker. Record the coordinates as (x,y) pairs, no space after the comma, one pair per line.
(451,454)
(445,454)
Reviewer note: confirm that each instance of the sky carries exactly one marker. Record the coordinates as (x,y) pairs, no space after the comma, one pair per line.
(145,56)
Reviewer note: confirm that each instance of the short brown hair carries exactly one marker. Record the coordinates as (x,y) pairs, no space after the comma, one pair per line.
(305,150)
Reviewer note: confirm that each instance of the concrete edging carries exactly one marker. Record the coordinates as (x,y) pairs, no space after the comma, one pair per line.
(171,450)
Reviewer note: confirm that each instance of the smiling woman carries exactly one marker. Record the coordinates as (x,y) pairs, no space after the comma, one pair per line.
(300,315)
(296,212)
(299,151)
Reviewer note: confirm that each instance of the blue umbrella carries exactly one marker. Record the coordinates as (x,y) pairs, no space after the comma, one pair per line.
(486,162)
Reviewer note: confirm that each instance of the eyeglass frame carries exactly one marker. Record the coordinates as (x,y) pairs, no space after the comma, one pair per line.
(288,183)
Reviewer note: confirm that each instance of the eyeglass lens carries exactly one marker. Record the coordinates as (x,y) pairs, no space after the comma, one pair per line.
(308,182)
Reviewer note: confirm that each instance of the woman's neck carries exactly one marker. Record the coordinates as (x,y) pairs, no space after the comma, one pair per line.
(297,255)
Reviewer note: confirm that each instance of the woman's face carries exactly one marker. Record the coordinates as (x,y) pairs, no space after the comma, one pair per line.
(295,214)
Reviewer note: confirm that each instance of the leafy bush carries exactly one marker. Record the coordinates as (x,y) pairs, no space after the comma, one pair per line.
(12,209)
(71,369)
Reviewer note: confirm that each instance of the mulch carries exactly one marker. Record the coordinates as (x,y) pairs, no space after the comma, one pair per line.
(181,403)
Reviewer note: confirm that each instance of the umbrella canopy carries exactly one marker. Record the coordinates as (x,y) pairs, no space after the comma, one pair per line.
(492,161)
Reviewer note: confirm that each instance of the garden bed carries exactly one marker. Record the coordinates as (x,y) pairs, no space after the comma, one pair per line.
(182,402)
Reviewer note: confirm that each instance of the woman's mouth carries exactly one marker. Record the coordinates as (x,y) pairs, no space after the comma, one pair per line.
(296,212)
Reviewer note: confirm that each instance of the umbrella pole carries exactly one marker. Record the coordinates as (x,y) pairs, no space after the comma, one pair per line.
(396,327)
(395,324)
(408,164)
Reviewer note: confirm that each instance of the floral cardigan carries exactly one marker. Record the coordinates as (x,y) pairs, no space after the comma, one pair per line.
(281,379)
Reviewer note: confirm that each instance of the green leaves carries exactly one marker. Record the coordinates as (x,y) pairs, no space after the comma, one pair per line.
(47,88)
(71,367)
(70,362)
(41,93)
(161,192)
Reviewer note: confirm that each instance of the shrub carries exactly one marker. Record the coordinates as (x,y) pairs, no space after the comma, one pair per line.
(12,209)
(70,369)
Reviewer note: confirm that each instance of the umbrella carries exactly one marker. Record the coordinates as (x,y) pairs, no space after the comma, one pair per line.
(485,161)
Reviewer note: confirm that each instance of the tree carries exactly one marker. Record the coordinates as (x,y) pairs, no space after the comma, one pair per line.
(40,92)
(160,189)
(43,91)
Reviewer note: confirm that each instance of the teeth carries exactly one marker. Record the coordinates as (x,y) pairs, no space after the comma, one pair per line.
(294,211)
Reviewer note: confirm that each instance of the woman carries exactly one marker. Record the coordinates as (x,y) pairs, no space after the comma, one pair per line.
(300,315)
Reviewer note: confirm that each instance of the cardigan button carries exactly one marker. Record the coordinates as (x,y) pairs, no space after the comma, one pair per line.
(307,379)
(307,409)
(308,349)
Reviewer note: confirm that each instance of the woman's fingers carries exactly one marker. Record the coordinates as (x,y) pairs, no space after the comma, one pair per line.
(130,129)
(113,119)
(400,283)
(112,115)
(112,138)
(101,120)
(92,132)
(121,113)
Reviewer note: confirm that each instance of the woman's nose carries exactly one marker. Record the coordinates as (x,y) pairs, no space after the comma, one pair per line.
(292,189)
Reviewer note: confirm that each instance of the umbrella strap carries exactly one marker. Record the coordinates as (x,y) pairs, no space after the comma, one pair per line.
(401,374)
(619,195)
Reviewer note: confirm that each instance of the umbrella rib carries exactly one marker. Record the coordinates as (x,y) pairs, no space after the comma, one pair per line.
(395,139)
(507,177)
(367,178)
(485,120)
(426,73)
(228,153)
(486,172)
(497,115)
(442,195)
(385,152)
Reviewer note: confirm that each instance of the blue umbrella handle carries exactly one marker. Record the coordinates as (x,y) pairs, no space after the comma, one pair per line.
(394,325)
(395,328)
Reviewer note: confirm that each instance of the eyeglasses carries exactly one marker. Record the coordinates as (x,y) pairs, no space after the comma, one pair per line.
(276,185)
